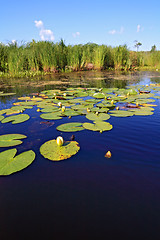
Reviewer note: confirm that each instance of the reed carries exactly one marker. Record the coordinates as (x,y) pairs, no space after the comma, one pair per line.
(44,57)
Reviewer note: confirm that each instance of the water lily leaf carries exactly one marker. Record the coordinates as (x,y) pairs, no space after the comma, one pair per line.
(51,116)
(98,126)
(4,111)
(9,140)
(81,94)
(142,101)
(24,98)
(143,111)
(81,106)
(107,105)
(52,151)
(99,95)
(27,103)
(97,117)
(1,117)
(16,119)
(12,112)
(70,112)
(20,108)
(70,127)
(50,109)
(121,113)
(10,164)
(6,94)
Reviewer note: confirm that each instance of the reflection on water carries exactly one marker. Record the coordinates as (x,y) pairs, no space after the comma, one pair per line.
(87,195)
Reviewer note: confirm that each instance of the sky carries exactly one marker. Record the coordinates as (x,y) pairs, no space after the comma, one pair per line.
(112,23)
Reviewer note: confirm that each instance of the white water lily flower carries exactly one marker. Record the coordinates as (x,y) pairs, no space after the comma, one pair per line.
(60,104)
(59,141)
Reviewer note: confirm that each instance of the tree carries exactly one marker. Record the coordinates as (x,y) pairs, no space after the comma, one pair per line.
(153,49)
(137,44)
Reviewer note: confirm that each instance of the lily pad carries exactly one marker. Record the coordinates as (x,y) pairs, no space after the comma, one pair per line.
(6,94)
(98,126)
(70,127)
(1,117)
(51,116)
(10,164)
(99,95)
(9,140)
(70,112)
(16,119)
(121,113)
(97,117)
(52,151)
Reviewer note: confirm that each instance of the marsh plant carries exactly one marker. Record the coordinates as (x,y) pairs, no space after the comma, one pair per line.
(44,57)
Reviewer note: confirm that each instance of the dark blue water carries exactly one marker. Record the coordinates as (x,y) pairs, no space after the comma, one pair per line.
(87,196)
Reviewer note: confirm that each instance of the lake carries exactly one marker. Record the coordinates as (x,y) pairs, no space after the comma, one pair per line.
(88,195)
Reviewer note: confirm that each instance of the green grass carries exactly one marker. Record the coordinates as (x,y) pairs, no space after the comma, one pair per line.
(36,58)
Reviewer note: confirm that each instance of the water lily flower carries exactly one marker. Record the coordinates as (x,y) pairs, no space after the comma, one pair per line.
(59,141)
(108,154)
(60,104)
(63,109)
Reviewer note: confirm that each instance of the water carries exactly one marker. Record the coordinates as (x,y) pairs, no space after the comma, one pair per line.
(86,196)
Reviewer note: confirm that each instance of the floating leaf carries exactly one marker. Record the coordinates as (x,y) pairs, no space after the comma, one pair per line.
(121,113)
(1,117)
(70,127)
(97,117)
(81,94)
(6,94)
(70,112)
(9,140)
(24,98)
(51,116)
(99,95)
(16,119)
(52,151)
(10,164)
(98,126)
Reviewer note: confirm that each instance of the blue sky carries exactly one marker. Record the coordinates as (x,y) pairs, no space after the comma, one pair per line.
(78,22)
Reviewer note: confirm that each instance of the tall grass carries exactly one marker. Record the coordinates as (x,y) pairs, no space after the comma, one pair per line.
(44,56)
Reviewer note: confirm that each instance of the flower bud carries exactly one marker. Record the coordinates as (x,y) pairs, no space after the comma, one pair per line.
(59,141)
(108,154)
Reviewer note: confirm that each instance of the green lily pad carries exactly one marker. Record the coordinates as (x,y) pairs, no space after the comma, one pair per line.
(52,151)
(70,112)
(6,94)
(50,109)
(99,117)
(16,118)
(98,126)
(9,140)
(121,113)
(99,95)
(144,111)
(81,94)
(70,127)
(51,116)
(10,164)
(1,117)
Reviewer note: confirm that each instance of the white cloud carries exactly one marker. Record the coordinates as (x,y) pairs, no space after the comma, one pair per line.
(77,34)
(112,32)
(45,34)
(39,24)
(138,28)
